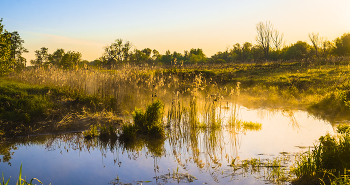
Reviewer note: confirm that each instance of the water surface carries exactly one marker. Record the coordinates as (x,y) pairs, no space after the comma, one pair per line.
(191,157)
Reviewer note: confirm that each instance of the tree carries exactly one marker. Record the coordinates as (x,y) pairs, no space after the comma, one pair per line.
(264,36)
(246,51)
(42,57)
(316,41)
(156,55)
(197,55)
(70,59)
(277,40)
(327,47)
(6,64)
(342,45)
(237,51)
(16,47)
(299,50)
(11,50)
(116,53)
(56,57)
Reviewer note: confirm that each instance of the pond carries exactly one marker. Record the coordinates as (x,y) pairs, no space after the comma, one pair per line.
(201,156)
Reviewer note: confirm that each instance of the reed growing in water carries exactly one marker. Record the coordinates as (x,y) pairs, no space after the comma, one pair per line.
(147,122)
(328,160)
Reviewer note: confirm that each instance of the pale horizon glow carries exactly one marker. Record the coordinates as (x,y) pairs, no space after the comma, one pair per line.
(88,26)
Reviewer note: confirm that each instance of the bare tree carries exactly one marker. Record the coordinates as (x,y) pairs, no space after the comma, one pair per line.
(264,36)
(277,39)
(316,41)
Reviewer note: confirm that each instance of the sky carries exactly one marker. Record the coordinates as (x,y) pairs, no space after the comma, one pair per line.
(87,26)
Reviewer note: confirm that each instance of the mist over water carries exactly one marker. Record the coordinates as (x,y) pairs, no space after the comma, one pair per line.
(201,156)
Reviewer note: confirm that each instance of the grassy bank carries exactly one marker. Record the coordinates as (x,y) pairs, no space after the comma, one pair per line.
(29,108)
(21,105)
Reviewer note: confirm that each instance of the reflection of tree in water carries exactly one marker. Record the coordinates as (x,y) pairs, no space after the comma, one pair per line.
(76,142)
(7,147)
(208,147)
(289,113)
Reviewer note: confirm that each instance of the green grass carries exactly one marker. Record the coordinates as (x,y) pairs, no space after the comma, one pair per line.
(146,123)
(92,132)
(21,105)
(21,102)
(20,181)
(328,160)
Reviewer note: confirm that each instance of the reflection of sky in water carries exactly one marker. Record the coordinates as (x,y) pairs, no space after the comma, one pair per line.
(281,131)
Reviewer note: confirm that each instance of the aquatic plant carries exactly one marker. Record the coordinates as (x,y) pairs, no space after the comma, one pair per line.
(273,170)
(146,123)
(20,181)
(249,125)
(108,132)
(331,155)
(92,132)
(240,125)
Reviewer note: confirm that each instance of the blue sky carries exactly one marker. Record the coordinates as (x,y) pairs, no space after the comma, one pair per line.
(89,25)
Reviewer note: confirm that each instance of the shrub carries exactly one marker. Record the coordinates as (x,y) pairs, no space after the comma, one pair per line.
(146,123)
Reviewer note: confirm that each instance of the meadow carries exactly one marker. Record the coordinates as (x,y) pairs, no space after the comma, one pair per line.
(131,101)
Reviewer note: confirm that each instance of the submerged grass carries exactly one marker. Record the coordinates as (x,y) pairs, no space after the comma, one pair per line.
(274,170)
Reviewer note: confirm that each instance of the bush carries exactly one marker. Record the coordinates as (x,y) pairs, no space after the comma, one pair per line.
(146,123)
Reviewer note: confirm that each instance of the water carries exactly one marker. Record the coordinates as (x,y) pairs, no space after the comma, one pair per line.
(202,156)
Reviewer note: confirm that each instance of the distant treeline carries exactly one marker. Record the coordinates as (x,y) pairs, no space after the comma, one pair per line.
(269,46)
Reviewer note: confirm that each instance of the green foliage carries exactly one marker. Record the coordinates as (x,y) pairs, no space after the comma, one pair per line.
(6,64)
(147,123)
(20,181)
(342,45)
(116,53)
(93,132)
(331,156)
(299,50)
(3,180)
(59,58)
(336,104)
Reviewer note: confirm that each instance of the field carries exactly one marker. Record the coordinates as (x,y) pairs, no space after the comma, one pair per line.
(192,99)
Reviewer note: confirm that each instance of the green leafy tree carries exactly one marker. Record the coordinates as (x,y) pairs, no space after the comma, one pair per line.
(116,53)
(342,45)
(56,57)
(167,58)
(299,50)
(70,59)
(197,55)
(42,57)
(17,49)
(156,55)
(327,47)
(237,52)
(6,64)
(11,50)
